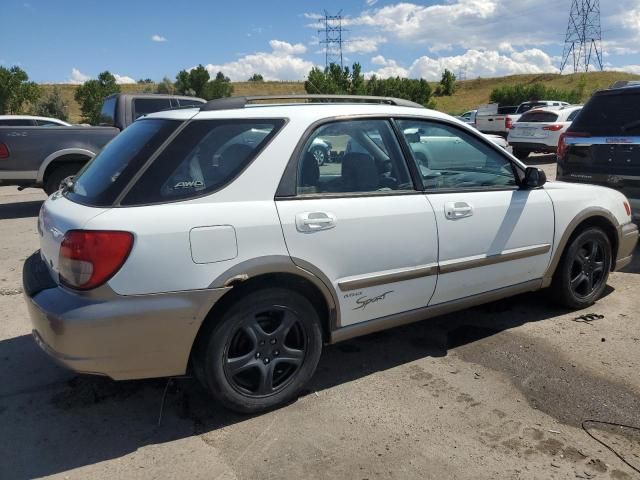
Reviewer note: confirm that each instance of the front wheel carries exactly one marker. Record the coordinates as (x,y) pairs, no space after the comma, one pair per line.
(263,351)
(583,270)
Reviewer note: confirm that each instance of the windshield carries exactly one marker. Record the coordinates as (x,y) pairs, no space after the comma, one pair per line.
(101,181)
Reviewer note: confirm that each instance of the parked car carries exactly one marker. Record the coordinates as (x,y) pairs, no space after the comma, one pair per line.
(539,130)
(495,119)
(184,245)
(602,145)
(468,117)
(32,156)
(30,121)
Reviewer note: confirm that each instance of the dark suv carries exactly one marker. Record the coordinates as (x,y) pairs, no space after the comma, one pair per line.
(602,145)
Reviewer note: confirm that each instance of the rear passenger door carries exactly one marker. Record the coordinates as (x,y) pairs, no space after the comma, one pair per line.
(358,222)
(492,234)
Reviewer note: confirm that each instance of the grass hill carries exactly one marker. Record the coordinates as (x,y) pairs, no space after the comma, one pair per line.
(469,93)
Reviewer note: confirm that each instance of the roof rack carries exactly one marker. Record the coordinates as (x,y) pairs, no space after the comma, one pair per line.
(232,103)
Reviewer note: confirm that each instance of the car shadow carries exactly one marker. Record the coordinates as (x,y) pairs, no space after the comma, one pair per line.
(10,211)
(53,421)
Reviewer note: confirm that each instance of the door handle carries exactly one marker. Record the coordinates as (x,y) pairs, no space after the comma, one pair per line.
(314,221)
(456,210)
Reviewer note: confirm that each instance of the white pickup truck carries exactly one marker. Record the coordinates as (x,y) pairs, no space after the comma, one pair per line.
(492,118)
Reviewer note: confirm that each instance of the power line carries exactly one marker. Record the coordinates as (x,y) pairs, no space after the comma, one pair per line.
(584,36)
(333,38)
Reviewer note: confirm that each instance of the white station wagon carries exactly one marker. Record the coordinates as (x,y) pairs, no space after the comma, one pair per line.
(212,240)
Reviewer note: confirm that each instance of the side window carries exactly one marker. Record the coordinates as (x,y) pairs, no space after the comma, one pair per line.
(352,156)
(450,158)
(205,156)
(187,102)
(17,123)
(143,106)
(573,115)
(108,111)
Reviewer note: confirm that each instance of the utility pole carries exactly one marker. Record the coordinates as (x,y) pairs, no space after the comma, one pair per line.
(332,38)
(583,40)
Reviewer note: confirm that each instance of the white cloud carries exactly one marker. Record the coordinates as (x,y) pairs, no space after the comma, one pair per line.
(388,68)
(476,63)
(282,63)
(635,69)
(280,47)
(158,38)
(123,79)
(363,44)
(77,77)
(371,3)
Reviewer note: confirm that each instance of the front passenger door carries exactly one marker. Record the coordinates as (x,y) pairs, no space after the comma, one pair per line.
(491,233)
(359,223)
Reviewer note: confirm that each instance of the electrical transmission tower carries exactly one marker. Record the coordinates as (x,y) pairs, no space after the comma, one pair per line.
(584,36)
(332,38)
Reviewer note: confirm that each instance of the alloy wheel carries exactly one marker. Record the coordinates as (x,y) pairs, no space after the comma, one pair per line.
(588,268)
(265,352)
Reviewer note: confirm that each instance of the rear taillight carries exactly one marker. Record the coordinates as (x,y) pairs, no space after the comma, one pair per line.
(508,122)
(553,128)
(627,208)
(4,151)
(562,144)
(88,258)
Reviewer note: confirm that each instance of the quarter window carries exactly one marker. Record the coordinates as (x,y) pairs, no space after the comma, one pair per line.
(449,158)
(355,156)
(205,156)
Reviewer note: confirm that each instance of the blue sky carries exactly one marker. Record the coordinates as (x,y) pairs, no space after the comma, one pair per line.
(60,40)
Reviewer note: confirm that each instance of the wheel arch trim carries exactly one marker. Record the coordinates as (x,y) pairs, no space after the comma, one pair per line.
(282,264)
(61,153)
(584,215)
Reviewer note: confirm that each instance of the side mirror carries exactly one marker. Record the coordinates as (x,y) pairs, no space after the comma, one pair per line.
(534,177)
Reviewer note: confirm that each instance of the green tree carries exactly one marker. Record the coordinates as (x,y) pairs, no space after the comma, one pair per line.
(183,83)
(198,79)
(145,80)
(336,80)
(518,93)
(92,93)
(256,77)
(447,84)
(218,88)
(52,106)
(16,90)
(166,86)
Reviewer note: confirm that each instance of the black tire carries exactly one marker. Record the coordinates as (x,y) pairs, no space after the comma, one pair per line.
(320,154)
(54,179)
(262,352)
(521,154)
(582,274)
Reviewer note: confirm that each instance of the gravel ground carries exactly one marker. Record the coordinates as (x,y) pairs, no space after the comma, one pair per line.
(498,391)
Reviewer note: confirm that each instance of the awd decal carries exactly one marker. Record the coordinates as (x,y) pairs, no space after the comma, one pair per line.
(363,302)
(195,183)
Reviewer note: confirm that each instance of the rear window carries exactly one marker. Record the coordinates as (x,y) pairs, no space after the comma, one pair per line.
(188,102)
(101,181)
(617,114)
(539,117)
(143,106)
(16,123)
(204,157)
(108,112)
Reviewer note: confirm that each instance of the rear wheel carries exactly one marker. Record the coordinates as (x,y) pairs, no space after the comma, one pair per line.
(584,269)
(520,153)
(60,174)
(262,352)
